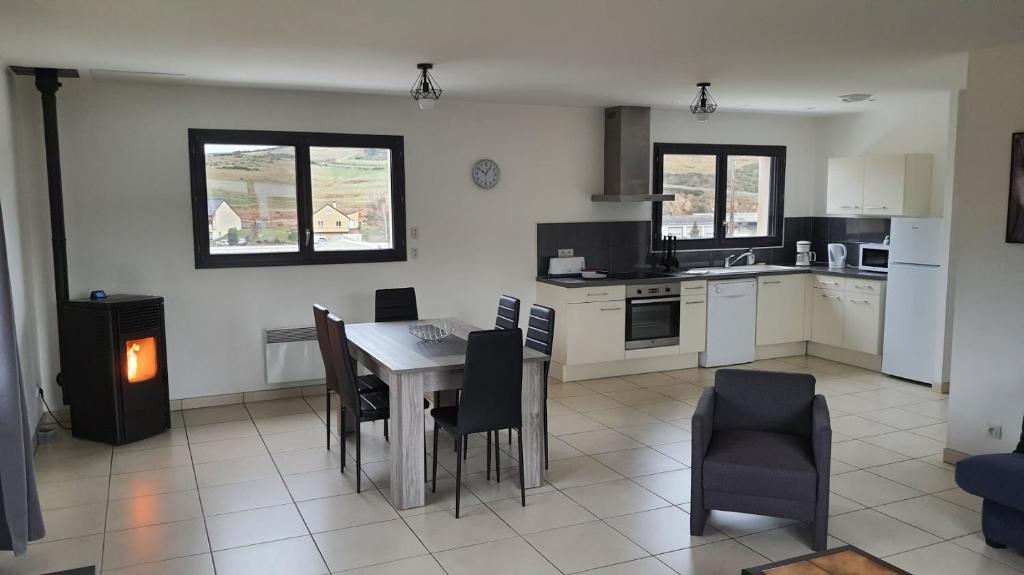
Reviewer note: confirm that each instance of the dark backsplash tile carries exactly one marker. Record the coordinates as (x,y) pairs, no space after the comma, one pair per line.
(625,246)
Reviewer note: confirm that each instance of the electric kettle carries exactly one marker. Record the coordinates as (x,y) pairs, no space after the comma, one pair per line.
(836,256)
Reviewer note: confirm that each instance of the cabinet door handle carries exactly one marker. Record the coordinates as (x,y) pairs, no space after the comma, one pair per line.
(849,207)
(876,208)
(594,294)
(864,287)
(766,282)
(694,287)
(611,308)
(835,297)
(693,302)
(859,301)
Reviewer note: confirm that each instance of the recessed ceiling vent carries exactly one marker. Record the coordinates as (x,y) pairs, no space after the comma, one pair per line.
(854,98)
(627,156)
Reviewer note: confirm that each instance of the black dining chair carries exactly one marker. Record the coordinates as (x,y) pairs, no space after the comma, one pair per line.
(540,336)
(491,400)
(371,406)
(367,384)
(507,318)
(395,304)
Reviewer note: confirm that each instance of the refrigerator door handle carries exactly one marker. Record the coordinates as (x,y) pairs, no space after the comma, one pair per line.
(911,264)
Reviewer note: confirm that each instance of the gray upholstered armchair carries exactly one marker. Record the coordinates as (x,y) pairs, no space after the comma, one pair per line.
(762,443)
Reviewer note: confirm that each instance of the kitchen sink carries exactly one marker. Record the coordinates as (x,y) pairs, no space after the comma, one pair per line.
(746,269)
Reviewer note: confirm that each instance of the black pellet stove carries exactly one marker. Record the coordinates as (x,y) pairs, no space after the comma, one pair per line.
(115,368)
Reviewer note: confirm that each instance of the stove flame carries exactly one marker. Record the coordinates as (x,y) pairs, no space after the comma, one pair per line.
(140,359)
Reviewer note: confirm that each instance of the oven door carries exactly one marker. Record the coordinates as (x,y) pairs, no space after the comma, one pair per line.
(652,322)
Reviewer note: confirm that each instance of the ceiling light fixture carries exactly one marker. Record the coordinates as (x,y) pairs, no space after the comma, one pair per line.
(425,91)
(854,98)
(703,104)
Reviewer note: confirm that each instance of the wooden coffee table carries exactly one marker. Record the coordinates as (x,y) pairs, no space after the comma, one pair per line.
(846,560)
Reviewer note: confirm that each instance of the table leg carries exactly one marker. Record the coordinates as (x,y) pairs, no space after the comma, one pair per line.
(407,474)
(533,423)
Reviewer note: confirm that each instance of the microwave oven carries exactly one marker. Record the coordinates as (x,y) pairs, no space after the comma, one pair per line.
(874,257)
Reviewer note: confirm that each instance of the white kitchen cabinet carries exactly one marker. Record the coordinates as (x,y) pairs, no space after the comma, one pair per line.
(898,185)
(827,317)
(862,323)
(780,309)
(845,186)
(890,185)
(595,332)
(693,323)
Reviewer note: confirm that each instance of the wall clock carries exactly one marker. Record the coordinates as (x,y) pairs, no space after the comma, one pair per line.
(486,173)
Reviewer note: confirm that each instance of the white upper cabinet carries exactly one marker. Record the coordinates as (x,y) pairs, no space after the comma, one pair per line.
(893,185)
(845,186)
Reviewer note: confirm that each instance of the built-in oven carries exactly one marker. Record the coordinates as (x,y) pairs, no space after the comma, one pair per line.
(652,315)
(874,257)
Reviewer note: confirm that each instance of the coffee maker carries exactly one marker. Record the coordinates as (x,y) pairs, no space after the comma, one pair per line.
(804,255)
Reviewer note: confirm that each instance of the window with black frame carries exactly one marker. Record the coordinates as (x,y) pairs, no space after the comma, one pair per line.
(726,196)
(262,198)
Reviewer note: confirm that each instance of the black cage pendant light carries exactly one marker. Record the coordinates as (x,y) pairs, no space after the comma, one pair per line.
(425,90)
(703,105)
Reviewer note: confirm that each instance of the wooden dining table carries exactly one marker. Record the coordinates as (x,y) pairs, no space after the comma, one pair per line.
(412,367)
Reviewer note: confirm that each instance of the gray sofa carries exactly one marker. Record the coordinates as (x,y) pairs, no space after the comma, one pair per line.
(762,443)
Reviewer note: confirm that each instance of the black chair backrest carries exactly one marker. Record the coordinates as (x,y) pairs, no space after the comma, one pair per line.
(764,401)
(508,313)
(493,381)
(540,332)
(396,304)
(344,367)
(320,314)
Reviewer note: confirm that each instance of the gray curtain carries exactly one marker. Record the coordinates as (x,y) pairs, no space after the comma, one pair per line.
(20,518)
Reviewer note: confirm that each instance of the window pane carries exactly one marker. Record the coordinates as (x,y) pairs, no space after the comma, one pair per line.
(748,196)
(351,198)
(691,216)
(250,191)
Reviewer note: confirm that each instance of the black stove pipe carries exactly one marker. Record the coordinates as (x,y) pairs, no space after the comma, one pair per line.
(47,82)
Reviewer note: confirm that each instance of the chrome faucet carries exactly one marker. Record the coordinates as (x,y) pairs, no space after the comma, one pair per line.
(731,260)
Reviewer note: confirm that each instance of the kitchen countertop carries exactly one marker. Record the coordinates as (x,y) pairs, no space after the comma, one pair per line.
(850,272)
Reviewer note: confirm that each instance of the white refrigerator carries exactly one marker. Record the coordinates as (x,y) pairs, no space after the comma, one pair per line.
(915,301)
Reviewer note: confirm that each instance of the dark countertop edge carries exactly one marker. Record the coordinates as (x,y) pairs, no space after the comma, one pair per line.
(848,272)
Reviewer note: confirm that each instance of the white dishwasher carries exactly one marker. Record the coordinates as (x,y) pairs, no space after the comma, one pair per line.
(732,319)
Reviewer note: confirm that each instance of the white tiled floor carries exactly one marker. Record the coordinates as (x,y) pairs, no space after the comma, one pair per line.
(251,489)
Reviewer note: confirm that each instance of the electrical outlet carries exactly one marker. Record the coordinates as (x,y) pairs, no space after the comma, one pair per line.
(414,232)
(415,253)
(994,431)
(565,253)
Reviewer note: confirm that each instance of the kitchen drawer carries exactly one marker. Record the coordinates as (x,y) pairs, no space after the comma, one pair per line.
(866,287)
(696,287)
(596,293)
(822,281)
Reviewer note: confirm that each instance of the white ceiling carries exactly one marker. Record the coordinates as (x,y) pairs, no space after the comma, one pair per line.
(778,55)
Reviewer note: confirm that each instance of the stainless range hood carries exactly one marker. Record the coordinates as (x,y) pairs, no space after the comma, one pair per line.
(627,156)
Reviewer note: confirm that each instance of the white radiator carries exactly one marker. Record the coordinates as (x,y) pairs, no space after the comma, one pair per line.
(292,355)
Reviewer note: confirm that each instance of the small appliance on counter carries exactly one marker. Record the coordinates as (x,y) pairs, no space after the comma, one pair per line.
(565,266)
(804,255)
(836,256)
(668,254)
(874,257)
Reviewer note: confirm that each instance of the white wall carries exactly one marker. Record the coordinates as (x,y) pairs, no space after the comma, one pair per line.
(18,244)
(797,133)
(987,378)
(127,202)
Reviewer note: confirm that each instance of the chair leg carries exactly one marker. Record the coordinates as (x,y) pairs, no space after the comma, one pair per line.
(522,476)
(359,458)
(458,474)
(488,456)
(433,481)
(465,447)
(994,544)
(697,518)
(497,463)
(510,436)
(386,429)
(329,422)
(341,421)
